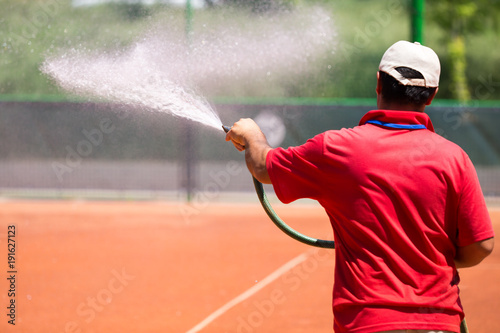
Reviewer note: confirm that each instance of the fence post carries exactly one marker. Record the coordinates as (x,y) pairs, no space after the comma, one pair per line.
(189,141)
(417,20)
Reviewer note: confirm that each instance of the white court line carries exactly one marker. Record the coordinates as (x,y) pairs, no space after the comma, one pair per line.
(248,293)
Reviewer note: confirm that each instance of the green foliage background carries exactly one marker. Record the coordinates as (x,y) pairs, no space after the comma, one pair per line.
(31,30)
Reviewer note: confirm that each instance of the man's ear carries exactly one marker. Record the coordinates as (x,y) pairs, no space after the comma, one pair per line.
(378,89)
(429,101)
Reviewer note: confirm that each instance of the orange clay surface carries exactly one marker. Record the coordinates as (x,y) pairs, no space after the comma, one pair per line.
(168,267)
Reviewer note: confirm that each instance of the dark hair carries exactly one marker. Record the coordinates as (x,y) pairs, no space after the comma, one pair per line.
(392,90)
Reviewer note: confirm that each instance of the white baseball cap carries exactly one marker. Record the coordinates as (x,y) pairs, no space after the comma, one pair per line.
(415,56)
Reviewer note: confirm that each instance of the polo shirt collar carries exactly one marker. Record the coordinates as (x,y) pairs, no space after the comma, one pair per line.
(387,118)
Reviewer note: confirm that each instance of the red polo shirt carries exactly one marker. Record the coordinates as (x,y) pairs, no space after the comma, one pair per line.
(400,199)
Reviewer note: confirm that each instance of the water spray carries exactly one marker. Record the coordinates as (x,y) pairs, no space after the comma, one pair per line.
(259,188)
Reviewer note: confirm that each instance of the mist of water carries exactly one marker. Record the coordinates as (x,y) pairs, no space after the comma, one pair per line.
(129,79)
(164,72)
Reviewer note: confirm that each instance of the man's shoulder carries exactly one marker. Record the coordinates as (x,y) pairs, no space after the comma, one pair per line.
(343,133)
(445,144)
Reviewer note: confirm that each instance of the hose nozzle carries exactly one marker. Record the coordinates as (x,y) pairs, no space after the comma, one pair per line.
(226,128)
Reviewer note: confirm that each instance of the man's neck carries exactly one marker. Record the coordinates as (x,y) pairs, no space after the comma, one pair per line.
(382,105)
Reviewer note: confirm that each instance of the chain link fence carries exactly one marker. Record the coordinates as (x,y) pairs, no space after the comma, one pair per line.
(93,150)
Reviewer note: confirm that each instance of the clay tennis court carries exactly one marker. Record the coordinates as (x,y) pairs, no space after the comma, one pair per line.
(168,267)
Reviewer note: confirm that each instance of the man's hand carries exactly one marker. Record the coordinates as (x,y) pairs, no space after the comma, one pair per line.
(247,136)
(242,131)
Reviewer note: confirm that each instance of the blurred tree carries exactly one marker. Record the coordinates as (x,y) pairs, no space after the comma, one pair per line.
(210,3)
(261,6)
(459,18)
(133,11)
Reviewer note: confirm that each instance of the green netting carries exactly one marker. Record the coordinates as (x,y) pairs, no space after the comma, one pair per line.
(74,145)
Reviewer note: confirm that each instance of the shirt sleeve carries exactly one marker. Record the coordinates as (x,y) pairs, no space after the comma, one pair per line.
(294,171)
(474,222)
